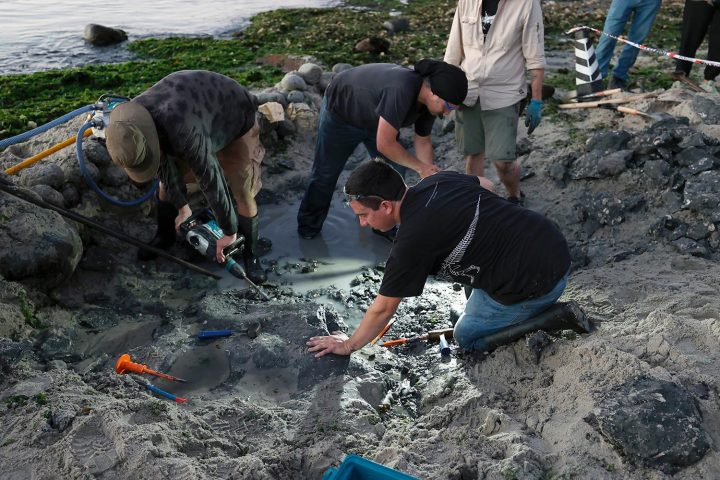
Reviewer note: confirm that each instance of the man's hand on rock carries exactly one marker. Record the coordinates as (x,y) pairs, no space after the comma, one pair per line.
(336,343)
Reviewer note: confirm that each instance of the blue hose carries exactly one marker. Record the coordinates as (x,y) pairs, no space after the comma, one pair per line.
(43,128)
(89,180)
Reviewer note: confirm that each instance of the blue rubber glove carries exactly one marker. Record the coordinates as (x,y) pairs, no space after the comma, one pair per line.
(533,115)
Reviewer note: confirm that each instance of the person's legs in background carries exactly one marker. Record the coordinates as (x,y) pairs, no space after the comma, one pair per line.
(697,17)
(617,17)
(470,138)
(336,141)
(711,72)
(643,17)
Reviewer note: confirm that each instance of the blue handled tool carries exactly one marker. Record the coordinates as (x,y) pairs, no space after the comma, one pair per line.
(205,334)
(165,394)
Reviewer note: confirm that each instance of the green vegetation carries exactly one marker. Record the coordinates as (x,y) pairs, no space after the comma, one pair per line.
(16,401)
(27,310)
(328,34)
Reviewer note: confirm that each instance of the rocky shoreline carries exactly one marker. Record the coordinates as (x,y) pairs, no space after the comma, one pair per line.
(636,398)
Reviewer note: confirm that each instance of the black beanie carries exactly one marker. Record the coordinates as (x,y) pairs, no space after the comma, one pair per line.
(446,81)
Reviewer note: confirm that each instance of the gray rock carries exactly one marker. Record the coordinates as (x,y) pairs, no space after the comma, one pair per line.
(707,109)
(614,164)
(701,192)
(310,72)
(657,170)
(272,96)
(557,171)
(101,36)
(56,365)
(97,318)
(341,67)
(114,176)
(49,194)
(296,96)
(325,80)
(45,248)
(692,155)
(695,139)
(604,209)
(396,25)
(285,128)
(654,423)
(608,141)
(70,195)
(700,231)
(43,174)
(292,81)
(97,153)
(61,418)
(59,344)
(702,165)
(690,247)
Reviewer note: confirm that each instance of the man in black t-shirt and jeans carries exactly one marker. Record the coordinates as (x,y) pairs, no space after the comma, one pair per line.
(369,104)
(453,226)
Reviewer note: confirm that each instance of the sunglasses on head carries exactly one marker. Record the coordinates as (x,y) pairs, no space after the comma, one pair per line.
(449,106)
(350,197)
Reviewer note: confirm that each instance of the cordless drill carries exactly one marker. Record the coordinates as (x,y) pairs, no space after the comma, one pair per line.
(202,232)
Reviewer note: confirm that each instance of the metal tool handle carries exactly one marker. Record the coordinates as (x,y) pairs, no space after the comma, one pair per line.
(205,334)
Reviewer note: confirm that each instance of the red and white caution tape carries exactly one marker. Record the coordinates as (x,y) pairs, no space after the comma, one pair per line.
(665,53)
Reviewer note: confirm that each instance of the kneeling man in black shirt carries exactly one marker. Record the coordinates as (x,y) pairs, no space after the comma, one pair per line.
(454,227)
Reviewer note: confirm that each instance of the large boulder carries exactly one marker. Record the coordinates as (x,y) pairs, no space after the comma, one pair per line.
(101,36)
(39,247)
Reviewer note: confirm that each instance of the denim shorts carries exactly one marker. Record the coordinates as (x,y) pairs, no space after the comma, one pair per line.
(483,315)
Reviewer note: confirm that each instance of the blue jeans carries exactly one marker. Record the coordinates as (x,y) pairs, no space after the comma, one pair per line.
(643,12)
(483,315)
(336,141)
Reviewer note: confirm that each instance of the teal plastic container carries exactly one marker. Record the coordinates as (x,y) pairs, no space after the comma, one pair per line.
(358,468)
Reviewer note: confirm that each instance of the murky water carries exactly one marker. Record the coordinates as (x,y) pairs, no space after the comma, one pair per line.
(41,34)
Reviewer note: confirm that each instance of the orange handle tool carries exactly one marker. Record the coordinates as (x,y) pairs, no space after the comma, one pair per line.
(383,332)
(125,365)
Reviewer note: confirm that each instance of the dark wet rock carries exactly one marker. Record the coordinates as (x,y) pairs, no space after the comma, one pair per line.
(668,227)
(296,96)
(669,124)
(61,418)
(708,110)
(310,72)
(341,67)
(285,129)
(97,319)
(657,170)
(74,175)
(523,146)
(695,139)
(102,36)
(293,81)
(653,423)
(375,45)
(396,25)
(40,247)
(43,174)
(96,152)
(597,164)
(604,209)
(689,246)
(114,176)
(70,195)
(11,352)
(59,344)
(272,96)
(701,193)
(49,195)
(693,155)
(608,141)
(325,80)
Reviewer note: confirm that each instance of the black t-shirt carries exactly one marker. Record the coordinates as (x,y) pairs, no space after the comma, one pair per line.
(488,12)
(361,95)
(453,228)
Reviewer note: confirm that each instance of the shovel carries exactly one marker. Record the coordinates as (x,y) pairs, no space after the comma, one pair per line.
(657,116)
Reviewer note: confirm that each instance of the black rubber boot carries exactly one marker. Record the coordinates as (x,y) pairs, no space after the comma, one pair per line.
(561,316)
(248,227)
(165,234)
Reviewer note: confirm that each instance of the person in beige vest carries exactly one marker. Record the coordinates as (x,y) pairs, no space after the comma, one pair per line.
(494,42)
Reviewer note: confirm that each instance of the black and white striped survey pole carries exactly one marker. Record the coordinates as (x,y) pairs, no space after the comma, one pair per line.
(587,72)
